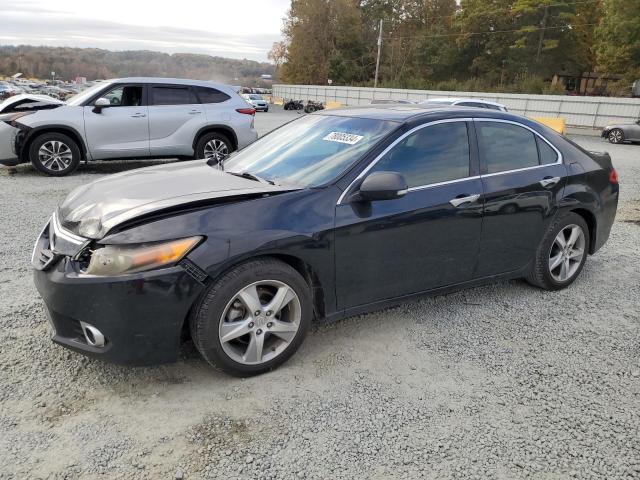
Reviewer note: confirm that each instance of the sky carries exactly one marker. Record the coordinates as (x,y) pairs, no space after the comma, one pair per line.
(226,28)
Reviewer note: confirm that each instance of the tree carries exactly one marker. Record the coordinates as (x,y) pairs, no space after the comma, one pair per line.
(278,54)
(618,39)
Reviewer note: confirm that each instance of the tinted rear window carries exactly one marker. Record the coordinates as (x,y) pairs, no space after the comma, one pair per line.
(211,95)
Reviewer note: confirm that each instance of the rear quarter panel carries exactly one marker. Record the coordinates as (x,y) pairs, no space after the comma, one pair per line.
(588,188)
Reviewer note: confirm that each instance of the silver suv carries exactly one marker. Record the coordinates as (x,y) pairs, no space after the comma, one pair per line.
(127,118)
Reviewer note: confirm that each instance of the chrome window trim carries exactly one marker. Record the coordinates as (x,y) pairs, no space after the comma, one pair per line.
(395,142)
(498,120)
(65,234)
(438,184)
(450,120)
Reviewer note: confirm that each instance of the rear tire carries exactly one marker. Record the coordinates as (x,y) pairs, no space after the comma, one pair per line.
(54,154)
(235,311)
(213,145)
(556,266)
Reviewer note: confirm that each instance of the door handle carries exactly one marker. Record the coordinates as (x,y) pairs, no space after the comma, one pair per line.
(138,115)
(194,112)
(548,182)
(456,202)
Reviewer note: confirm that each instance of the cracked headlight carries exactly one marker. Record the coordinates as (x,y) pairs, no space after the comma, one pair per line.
(112,260)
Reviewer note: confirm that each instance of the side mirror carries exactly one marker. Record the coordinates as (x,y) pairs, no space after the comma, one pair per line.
(100,104)
(382,186)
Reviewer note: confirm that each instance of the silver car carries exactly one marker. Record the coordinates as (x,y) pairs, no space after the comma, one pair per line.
(126,118)
(464,102)
(624,132)
(256,101)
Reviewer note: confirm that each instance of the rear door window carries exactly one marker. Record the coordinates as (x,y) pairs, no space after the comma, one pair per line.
(505,146)
(172,95)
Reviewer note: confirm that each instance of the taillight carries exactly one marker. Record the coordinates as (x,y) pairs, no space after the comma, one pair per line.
(613,176)
(246,111)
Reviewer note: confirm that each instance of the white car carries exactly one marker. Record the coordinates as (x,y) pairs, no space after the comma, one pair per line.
(464,102)
(125,118)
(256,101)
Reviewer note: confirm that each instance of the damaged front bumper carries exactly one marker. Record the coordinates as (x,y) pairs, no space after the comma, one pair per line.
(133,319)
(8,136)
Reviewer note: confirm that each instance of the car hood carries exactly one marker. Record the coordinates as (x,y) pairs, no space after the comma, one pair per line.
(28,101)
(92,210)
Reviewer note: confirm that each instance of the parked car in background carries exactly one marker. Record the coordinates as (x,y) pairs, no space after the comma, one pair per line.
(256,101)
(464,102)
(8,89)
(130,118)
(385,101)
(625,132)
(337,213)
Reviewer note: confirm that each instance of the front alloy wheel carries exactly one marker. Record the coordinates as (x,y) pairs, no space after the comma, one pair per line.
(54,153)
(253,318)
(260,322)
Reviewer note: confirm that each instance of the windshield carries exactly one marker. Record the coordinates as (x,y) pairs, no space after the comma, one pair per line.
(310,151)
(255,97)
(80,98)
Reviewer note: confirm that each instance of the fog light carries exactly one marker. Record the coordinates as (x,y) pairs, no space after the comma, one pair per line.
(92,335)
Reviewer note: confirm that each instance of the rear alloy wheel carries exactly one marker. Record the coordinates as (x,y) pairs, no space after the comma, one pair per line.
(55,154)
(213,147)
(616,136)
(561,254)
(567,253)
(253,318)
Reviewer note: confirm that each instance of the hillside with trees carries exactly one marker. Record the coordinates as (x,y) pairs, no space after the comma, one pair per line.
(94,63)
(490,45)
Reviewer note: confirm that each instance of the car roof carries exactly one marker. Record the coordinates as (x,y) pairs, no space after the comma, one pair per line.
(407,113)
(176,81)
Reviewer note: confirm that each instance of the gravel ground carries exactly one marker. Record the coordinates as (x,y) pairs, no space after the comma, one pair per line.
(503,381)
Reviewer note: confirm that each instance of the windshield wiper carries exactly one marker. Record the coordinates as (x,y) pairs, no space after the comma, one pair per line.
(251,176)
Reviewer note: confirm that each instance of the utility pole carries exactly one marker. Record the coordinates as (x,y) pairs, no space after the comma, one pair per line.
(375,81)
(543,26)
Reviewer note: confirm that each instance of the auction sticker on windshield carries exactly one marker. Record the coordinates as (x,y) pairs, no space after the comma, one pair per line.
(341,137)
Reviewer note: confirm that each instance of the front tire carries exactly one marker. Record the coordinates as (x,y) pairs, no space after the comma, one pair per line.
(213,146)
(616,136)
(54,154)
(562,253)
(253,318)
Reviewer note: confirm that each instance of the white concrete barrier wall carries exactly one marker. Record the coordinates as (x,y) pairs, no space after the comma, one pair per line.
(587,112)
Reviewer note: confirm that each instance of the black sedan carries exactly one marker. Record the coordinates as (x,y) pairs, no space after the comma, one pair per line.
(335,214)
